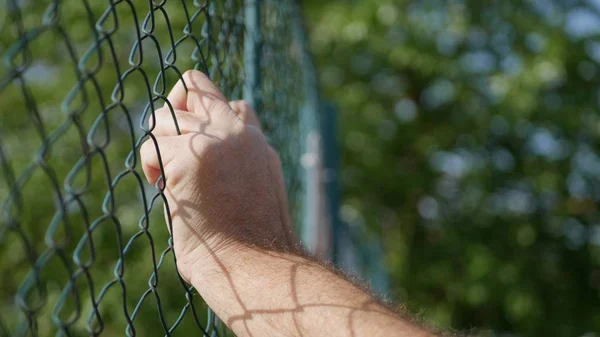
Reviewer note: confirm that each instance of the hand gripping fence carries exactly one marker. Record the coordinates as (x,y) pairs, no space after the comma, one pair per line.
(83,245)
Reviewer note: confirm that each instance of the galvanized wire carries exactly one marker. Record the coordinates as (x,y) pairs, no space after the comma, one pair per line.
(82,237)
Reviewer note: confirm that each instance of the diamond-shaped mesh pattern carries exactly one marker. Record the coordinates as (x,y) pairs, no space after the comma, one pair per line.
(84,247)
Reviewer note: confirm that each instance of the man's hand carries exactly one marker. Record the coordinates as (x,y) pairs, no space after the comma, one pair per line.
(223,182)
(231,230)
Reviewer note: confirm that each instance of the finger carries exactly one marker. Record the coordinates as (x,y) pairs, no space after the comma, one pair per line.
(165,122)
(204,98)
(246,113)
(156,155)
(177,96)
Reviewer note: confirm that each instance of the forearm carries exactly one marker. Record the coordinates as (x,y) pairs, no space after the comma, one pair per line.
(264,293)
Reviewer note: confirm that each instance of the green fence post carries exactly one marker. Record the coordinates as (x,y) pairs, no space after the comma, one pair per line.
(313,225)
(331,177)
(252,49)
(351,250)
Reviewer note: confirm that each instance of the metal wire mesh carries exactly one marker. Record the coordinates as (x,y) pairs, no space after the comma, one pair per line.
(82,238)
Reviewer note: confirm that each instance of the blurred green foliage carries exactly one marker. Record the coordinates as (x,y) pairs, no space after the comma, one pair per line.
(470,133)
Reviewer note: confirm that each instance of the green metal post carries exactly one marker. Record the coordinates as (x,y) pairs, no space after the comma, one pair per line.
(353,251)
(252,51)
(312,213)
(331,177)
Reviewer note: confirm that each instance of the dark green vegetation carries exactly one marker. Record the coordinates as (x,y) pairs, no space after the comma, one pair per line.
(470,133)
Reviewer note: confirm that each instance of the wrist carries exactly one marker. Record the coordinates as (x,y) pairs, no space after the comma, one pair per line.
(208,261)
(205,256)
(219,251)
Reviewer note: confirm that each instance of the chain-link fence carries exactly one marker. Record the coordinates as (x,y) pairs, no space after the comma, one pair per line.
(84,247)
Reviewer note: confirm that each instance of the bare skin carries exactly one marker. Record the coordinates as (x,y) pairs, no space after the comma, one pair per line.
(231,227)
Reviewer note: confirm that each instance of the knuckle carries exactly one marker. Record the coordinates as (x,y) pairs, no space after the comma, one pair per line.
(244,109)
(167,120)
(157,117)
(161,113)
(222,109)
(169,116)
(218,106)
(190,74)
(236,106)
(147,149)
(244,105)
(173,173)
